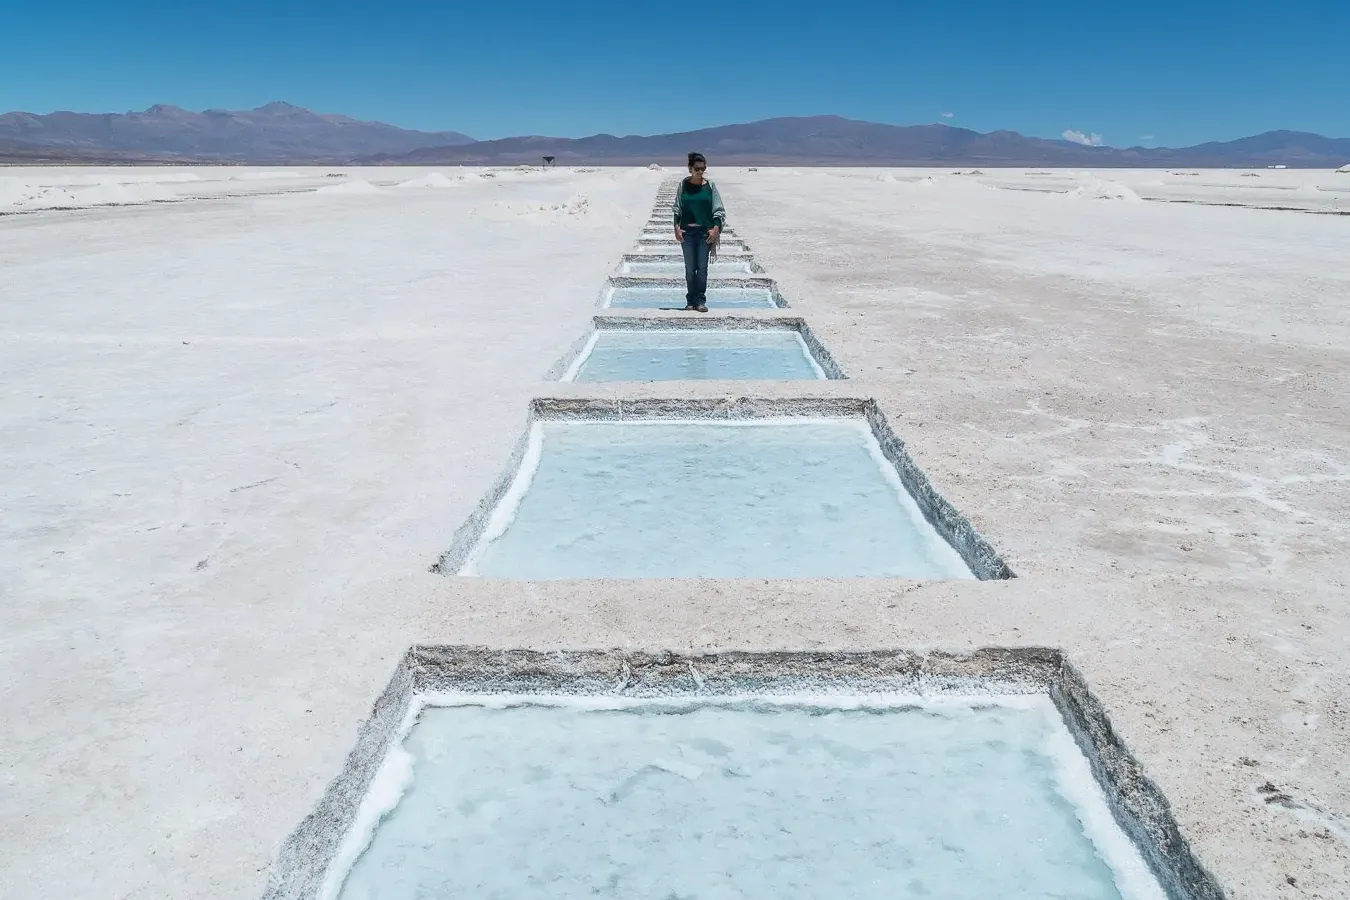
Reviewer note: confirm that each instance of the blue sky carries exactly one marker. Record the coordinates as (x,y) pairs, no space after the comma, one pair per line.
(1154,73)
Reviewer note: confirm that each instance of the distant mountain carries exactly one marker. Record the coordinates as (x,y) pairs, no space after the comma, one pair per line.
(275,133)
(24,153)
(831,140)
(286,134)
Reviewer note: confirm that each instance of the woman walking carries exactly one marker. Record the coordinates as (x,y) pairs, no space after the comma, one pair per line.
(699,219)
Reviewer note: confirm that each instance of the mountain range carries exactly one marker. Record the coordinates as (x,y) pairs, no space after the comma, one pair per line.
(275,133)
(280,133)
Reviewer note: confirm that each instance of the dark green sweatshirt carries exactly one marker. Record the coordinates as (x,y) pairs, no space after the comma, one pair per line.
(699,205)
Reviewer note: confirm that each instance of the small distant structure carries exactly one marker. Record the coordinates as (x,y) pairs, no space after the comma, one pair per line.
(548,162)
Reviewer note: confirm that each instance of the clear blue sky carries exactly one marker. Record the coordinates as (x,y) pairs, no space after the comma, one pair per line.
(1182,72)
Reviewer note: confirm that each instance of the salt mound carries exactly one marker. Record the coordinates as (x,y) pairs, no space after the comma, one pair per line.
(656,167)
(1097,189)
(99,179)
(433,180)
(120,194)
(887,177)
(16,194)
(263,176)
(12,190)
(1344,169)
(579,205)
(354,187)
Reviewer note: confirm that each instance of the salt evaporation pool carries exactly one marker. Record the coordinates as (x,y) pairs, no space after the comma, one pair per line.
(754,798)
(671,297)
(722,267)
(672,354)
(775,498)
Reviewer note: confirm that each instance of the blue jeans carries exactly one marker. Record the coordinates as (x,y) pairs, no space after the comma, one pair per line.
(696,248)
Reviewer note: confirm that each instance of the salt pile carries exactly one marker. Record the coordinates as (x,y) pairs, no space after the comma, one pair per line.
(1344,169)
(16,194)
(263,176)
(433,180)
(355,187)
(1099,189)
(579,205)
(114,194)
(73,193)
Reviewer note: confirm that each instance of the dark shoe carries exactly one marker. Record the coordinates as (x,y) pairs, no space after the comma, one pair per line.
(690,307)
(701,308)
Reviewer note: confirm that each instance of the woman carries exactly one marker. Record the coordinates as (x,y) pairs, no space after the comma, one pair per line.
(699,219)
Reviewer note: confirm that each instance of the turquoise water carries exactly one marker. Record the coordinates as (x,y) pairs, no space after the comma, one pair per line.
(718,269)
(674,354)
(658,296)
(769,499)
(752,800)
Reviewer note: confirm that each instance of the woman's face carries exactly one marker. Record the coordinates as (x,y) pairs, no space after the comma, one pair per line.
(698,168)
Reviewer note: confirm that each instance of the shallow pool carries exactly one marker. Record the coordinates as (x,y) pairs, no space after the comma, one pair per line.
(667,499)
(751,798)
(670,297)
(672,354)
(720,268)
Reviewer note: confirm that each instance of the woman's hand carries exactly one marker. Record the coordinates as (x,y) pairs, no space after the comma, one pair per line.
(713,232)
(679,235)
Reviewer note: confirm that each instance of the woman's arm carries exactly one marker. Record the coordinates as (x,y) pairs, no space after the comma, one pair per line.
(719,211)
(675,204)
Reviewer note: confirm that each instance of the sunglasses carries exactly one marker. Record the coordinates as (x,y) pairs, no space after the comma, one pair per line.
(700,168)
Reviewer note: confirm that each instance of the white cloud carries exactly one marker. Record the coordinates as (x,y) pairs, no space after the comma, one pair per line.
(948,115)
(1087,140)
(1146,137)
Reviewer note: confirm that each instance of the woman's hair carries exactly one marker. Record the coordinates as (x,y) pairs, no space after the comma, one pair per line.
(696,158)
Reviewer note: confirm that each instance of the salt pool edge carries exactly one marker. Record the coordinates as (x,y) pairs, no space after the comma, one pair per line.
(305,858)
(952,527)
(565,369)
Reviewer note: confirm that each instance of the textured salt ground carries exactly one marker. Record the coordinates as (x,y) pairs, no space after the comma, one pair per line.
(215,551)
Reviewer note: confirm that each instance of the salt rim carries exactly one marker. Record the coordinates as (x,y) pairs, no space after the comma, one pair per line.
(504,512)
(810,357)
(1078,787)
(1073,776)
(938,547)
(575,368)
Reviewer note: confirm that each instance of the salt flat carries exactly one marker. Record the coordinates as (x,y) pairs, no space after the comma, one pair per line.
(238,431)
